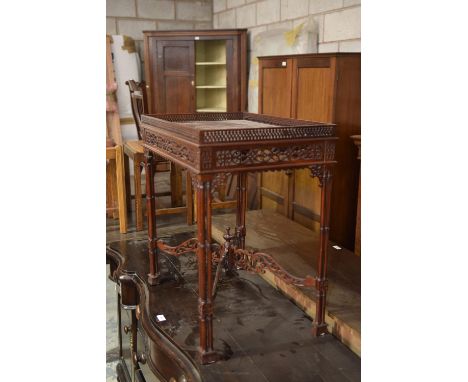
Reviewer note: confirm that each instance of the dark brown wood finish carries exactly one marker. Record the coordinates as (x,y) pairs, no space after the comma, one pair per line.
(209,145)
(357,243)
(170,68)
(317,87)
(175,76)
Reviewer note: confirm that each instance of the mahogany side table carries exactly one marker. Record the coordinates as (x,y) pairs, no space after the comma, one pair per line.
(212,145)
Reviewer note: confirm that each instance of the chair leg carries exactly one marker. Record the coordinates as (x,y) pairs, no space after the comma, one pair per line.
(113,188)
(137,183)
(109,196)
(122,203)
(128,190)
(176,185)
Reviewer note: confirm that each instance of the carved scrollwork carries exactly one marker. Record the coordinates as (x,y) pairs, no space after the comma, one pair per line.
(230,158)
(187,246)
(171,147)
(259,262)
(322,172)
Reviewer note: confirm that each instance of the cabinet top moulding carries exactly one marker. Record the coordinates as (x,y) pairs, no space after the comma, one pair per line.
(192,32)
(343,54)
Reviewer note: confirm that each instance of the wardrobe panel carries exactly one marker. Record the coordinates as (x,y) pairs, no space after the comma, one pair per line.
(175,77)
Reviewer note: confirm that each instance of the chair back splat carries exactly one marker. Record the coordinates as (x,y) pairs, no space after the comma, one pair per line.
(139,102)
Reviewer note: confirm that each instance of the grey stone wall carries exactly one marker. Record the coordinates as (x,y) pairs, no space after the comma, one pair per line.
(339,21)
(132,17)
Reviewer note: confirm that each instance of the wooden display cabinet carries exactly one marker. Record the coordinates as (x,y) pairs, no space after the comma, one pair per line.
(196,71)
(322,87)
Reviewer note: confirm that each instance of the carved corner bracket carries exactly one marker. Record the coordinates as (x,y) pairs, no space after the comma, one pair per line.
(321,171)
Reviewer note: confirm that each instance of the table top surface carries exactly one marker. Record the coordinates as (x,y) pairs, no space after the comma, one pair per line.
(207,143)
(210,128)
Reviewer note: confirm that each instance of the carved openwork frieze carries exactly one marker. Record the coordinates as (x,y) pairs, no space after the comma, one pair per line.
(231,158)
(187,246)
(330,151)
(259,262)
(206,159)
(171,147)
(265,134)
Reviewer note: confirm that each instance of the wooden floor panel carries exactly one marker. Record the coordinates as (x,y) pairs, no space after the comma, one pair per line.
(296,248)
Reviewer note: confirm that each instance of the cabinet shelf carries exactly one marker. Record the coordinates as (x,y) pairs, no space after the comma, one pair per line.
(211,87)
(211,109)
(209,63)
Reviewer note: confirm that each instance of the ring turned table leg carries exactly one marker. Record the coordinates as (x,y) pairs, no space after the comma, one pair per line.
(150,212)
(324,173)
(205,274)
(241,206)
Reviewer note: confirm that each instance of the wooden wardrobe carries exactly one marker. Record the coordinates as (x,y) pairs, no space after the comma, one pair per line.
(196,71)
(324,87)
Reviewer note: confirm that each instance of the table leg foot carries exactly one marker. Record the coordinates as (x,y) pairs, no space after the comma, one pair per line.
(209,357)
(153,279)
(319,329)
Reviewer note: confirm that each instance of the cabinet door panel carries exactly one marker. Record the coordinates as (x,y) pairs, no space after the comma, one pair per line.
(312,98)
(275,92)
(175,67)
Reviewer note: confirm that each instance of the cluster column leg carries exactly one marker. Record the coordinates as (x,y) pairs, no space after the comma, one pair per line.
(241,206)
(205,270)
(319,325)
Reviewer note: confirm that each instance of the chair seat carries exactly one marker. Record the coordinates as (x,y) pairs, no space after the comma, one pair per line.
(136,147)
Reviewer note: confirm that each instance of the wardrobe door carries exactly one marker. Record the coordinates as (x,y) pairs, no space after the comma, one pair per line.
(175,76)
(312,99)
(313,88)
(275,76)
(275,83)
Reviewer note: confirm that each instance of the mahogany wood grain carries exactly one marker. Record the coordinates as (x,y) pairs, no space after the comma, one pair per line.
(357,243)
(212,145)
(347,116)
(176,185)
(312,99)
(275,81)
(175,74)
(324,87)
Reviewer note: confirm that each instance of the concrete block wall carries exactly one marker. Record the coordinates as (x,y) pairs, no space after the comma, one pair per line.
(132,17)
(339,21)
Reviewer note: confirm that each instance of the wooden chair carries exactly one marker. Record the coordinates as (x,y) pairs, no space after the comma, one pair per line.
(115,174)
(115,186)
(134,150)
